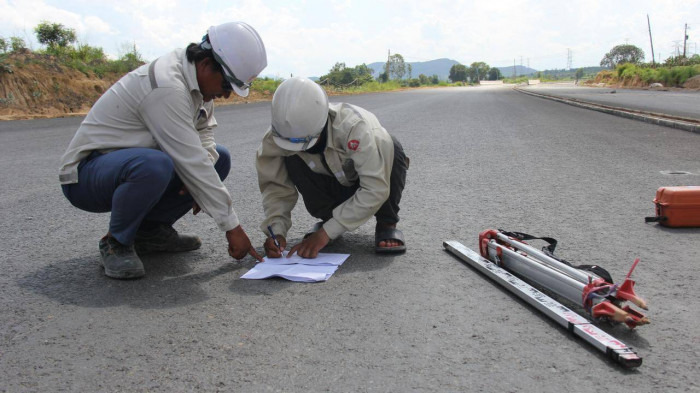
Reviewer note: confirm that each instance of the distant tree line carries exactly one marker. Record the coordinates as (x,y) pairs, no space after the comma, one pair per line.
(395,69)
(477,71)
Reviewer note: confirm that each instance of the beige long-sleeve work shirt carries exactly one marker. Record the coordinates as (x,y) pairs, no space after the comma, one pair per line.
(158,106)
(358,149)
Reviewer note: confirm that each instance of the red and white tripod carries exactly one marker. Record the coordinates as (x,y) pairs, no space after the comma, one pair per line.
(503,253)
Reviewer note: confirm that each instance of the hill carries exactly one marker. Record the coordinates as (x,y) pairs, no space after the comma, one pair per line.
(507,71)
(439,67)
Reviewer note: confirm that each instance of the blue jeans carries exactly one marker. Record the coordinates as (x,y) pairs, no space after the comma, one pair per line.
(138,185)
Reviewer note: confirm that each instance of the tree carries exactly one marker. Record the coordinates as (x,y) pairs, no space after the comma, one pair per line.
(622,54)
(54,35)
(4,45)
(495,74)
(339,75)
(424,80)
(364,73)
(130,56)
(579,74)
(478,71)
(342,75)
(17,44)
(410,72)
(397,67)
(458,73)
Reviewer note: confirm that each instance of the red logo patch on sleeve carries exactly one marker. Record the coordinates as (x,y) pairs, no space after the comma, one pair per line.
(353,144)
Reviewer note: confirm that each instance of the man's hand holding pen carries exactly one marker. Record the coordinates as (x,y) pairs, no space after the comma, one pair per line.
(274,245)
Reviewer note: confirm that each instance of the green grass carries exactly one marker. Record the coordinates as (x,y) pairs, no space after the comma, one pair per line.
(370,87)
(629,74)
(265,85)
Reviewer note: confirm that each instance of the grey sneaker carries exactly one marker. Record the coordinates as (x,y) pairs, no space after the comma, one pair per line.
(164,239)
(120,261)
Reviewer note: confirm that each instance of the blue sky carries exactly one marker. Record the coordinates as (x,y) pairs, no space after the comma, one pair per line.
(308,37)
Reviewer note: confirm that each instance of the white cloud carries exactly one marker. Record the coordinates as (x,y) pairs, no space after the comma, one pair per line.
(307,37)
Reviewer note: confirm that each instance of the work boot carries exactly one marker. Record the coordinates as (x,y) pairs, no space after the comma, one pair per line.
(164,239)
(118,260)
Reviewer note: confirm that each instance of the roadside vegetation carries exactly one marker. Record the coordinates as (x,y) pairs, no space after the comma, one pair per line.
(62,47)
(626,68)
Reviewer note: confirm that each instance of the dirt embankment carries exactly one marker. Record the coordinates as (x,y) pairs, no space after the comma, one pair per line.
(35,85)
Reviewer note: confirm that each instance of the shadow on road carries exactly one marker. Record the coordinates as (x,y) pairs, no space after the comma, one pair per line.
(168,283)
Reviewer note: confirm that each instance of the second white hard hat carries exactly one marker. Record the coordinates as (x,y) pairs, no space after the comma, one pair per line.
(241,53)
(299,112)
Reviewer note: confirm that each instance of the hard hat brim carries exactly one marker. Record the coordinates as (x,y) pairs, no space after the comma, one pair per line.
(241,92)
(291,146)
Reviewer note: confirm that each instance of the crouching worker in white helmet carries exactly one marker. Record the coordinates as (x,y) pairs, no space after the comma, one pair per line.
(146,150)
(342,161)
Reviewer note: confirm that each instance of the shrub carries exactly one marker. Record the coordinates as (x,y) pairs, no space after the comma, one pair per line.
(265,84)
(629,74)
(17,44)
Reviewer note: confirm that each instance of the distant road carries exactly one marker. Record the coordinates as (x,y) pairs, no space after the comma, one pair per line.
(678,103)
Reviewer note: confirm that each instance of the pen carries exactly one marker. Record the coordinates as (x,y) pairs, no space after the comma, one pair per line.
(272,234)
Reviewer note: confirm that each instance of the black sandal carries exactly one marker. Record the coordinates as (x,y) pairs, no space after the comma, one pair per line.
(385,234)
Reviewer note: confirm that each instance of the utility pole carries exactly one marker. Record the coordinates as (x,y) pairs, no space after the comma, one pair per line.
(515,73)
(388,59)
(569,57)
(653,63)
(685,39)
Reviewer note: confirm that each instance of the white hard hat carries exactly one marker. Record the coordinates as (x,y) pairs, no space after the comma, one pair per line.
(299,112)
(241,53)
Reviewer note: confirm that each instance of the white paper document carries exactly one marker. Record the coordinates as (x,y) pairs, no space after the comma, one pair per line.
(297,268)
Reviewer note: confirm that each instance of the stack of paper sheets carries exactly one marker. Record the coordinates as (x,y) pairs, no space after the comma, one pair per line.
(297,268)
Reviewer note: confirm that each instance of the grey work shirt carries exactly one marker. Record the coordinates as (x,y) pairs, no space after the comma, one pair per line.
(158,106)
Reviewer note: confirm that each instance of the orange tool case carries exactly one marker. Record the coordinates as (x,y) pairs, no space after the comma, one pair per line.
(677,206)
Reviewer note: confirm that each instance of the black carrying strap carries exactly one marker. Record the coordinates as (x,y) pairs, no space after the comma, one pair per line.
(549,251)
(655,219)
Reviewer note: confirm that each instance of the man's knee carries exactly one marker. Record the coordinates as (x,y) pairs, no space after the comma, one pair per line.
(223,164)
(401,161)
(154,166)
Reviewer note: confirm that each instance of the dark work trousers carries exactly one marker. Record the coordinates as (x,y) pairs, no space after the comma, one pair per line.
(138,185)
(323,193)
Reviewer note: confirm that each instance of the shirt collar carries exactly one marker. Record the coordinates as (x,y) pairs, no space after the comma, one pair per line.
(190,74)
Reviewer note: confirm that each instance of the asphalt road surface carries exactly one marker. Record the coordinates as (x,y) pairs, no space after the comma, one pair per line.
(481,158)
